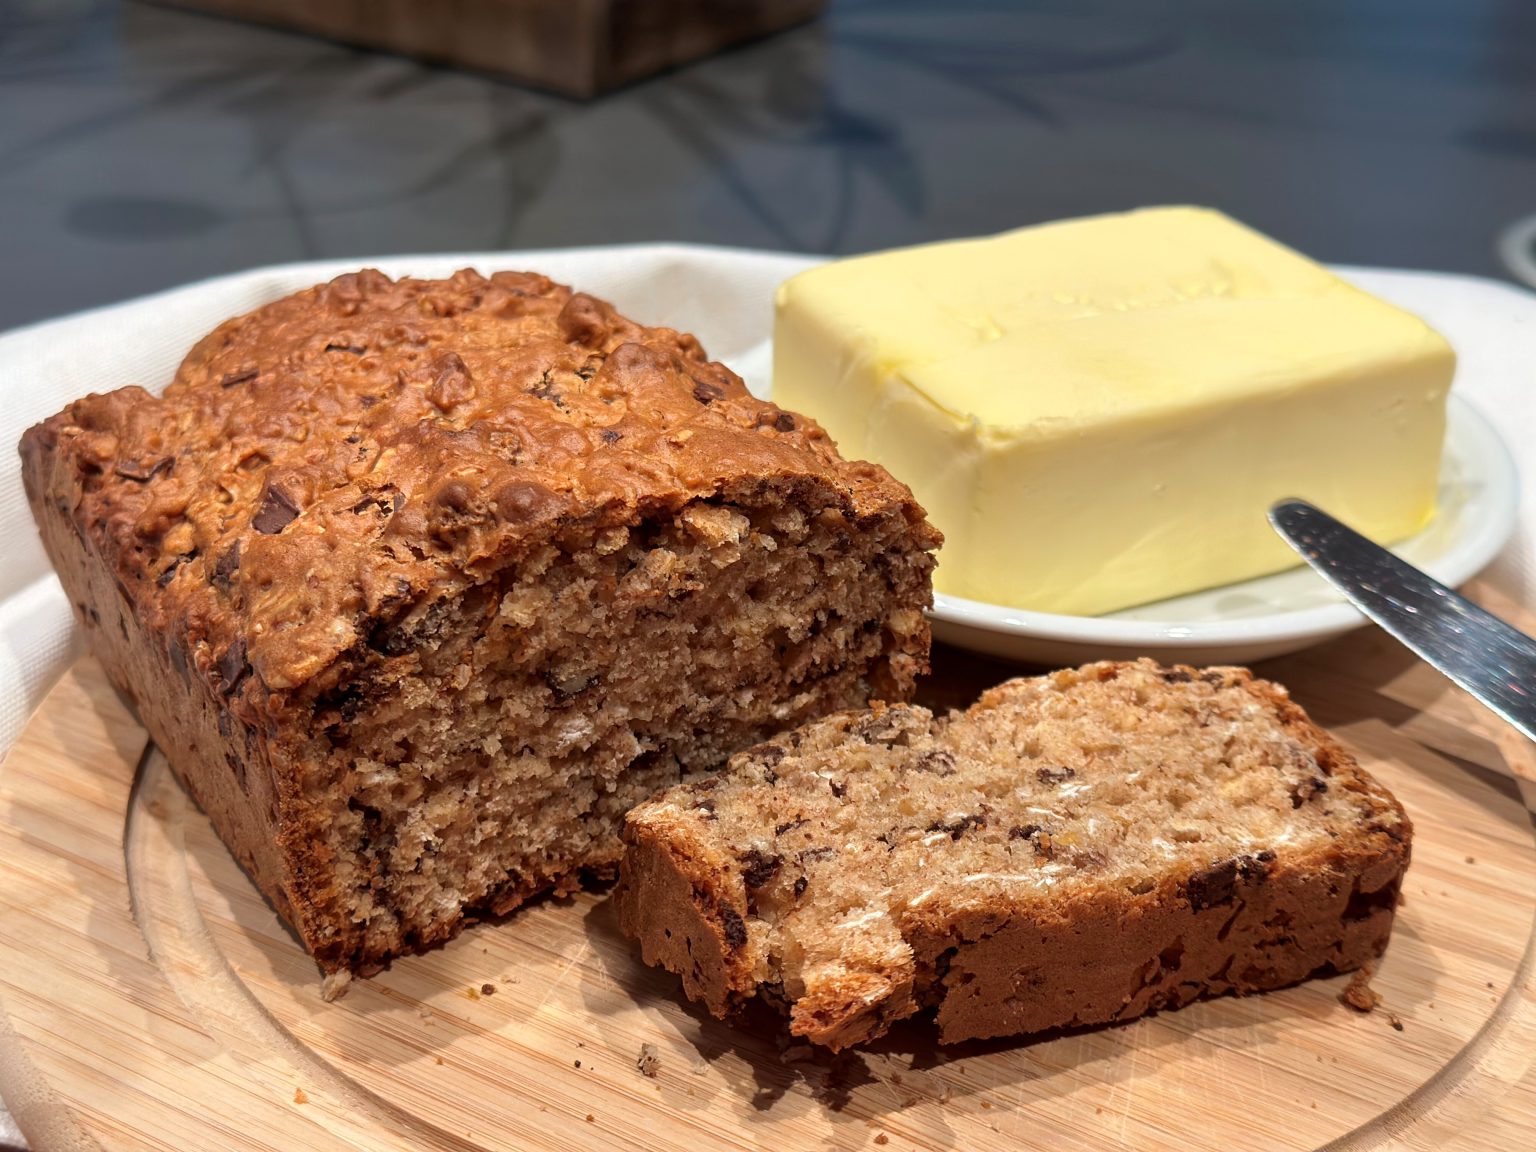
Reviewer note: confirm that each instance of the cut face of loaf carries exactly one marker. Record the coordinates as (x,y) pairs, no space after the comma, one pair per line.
(420,585)
(1076,849)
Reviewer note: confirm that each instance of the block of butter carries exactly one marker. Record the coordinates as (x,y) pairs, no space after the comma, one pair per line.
(1097,413)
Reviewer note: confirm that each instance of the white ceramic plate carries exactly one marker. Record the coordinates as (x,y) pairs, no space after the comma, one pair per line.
(1272,615)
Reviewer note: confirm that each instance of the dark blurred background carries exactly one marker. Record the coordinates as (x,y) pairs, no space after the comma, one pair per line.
(142,146)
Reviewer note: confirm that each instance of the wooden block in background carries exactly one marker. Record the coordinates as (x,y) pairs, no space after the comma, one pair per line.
(575,47)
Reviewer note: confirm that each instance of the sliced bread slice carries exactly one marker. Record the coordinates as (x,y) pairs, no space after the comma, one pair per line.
(1074,849)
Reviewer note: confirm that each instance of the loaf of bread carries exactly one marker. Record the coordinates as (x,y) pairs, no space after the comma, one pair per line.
(1072,850)
(421,585)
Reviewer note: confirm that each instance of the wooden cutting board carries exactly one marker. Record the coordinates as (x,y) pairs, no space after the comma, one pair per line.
(149,998)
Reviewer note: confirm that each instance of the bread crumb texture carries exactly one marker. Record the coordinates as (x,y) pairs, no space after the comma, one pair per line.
(1073,849)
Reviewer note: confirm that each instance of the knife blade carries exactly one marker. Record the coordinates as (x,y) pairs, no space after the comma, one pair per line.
(1490,659)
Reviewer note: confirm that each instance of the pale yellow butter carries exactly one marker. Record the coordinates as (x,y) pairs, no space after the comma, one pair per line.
(1097,413)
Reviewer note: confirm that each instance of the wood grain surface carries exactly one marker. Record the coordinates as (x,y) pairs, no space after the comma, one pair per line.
(150,999)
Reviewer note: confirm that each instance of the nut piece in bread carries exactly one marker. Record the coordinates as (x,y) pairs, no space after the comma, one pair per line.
(1076,849)
(420,585)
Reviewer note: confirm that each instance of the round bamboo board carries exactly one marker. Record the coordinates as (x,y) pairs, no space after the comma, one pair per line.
(149,998)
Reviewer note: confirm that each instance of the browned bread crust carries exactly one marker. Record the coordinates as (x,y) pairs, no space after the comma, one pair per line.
(1072,850)
(420,584)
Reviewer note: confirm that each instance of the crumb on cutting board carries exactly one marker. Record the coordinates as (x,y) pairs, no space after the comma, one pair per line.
(649,1061)
(1358,993)
(300,1097)
(487,989)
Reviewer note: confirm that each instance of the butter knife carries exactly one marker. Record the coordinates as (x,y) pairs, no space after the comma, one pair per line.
(1491,660)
